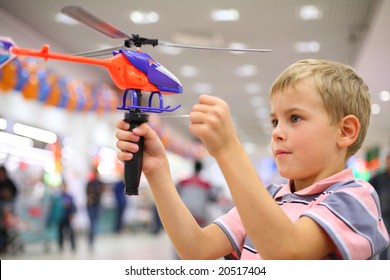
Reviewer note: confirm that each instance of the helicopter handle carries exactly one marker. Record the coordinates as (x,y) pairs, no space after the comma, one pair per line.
(133,167)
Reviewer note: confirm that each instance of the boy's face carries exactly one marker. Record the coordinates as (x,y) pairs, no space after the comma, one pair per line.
(304,142)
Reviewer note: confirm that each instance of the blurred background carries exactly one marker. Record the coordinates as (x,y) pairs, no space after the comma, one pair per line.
(57,119)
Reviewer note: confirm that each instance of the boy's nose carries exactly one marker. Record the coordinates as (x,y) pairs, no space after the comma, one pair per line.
(278,134)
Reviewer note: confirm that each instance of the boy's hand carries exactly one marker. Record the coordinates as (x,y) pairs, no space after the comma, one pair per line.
(212,124)
(154,156)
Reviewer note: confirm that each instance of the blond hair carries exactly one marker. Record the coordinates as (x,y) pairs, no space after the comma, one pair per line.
(343,92)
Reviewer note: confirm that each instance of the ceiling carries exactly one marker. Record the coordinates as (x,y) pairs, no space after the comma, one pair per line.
(350,31)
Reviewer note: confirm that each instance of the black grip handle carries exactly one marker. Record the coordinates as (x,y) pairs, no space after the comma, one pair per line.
(133,167)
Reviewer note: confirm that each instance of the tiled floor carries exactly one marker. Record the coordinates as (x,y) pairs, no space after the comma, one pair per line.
(109,246)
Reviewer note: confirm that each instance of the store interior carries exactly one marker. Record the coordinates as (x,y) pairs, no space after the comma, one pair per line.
(57,120)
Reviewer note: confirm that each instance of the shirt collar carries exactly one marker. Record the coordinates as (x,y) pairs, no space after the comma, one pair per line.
(319,186)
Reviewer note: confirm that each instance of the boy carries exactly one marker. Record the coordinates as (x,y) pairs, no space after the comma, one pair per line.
(320,112)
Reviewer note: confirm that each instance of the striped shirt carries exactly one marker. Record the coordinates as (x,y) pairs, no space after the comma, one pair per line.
(346,208)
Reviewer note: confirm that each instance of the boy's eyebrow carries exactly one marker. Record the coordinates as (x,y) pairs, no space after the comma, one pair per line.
(288,111)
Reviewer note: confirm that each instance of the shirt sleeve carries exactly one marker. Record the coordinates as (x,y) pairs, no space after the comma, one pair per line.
(351,217)
(232,225)
(234,229)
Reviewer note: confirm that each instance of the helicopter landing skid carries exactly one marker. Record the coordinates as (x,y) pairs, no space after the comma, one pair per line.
(149,108)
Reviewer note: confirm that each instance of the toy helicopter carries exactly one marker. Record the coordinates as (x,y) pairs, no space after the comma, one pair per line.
(132,71)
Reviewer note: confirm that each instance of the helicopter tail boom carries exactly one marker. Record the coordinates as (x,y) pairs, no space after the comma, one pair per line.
(45,54)
(122,72)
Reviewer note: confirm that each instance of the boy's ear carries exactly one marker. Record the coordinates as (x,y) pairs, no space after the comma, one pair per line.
(349,131)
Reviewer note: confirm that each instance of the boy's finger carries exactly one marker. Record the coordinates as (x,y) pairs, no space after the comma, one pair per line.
(124,156)
(127,146)
(126,136)
(121,124)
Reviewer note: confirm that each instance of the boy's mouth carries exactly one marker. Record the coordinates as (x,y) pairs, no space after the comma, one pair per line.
(279,153)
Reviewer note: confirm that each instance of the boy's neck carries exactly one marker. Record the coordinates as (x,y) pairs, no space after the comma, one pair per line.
(298,184)
(292,186)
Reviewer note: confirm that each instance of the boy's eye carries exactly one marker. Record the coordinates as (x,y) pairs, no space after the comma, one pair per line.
(274,123)
(295,118)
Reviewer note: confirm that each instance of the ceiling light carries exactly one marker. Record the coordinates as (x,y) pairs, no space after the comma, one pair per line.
(64,19)
(310,12)
(384,95)
(139,17)
(170,51)
(225,15)
(28,155)
(12,139)
(246,70)
(237,45)
(307,47)
(189,71)
(35,133)
(203,88)
(375,109)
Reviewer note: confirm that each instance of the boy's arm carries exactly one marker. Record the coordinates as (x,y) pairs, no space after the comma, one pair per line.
(270,230)
(189,240)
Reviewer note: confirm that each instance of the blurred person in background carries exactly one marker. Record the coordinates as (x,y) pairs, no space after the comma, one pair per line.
(94,189)
(8,190)
(196,194)
(65,227)
(381,183)
(8,194)
(121,202)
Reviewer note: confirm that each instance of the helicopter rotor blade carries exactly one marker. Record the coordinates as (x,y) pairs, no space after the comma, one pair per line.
(167,44)
(108,51)
(81,15)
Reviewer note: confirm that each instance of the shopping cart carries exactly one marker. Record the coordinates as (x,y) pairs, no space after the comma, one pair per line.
(25,224)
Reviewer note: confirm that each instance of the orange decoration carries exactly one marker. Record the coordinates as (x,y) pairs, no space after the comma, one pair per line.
(55,94)
(8,77)
(88,99)
(72,99)
(31,88)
